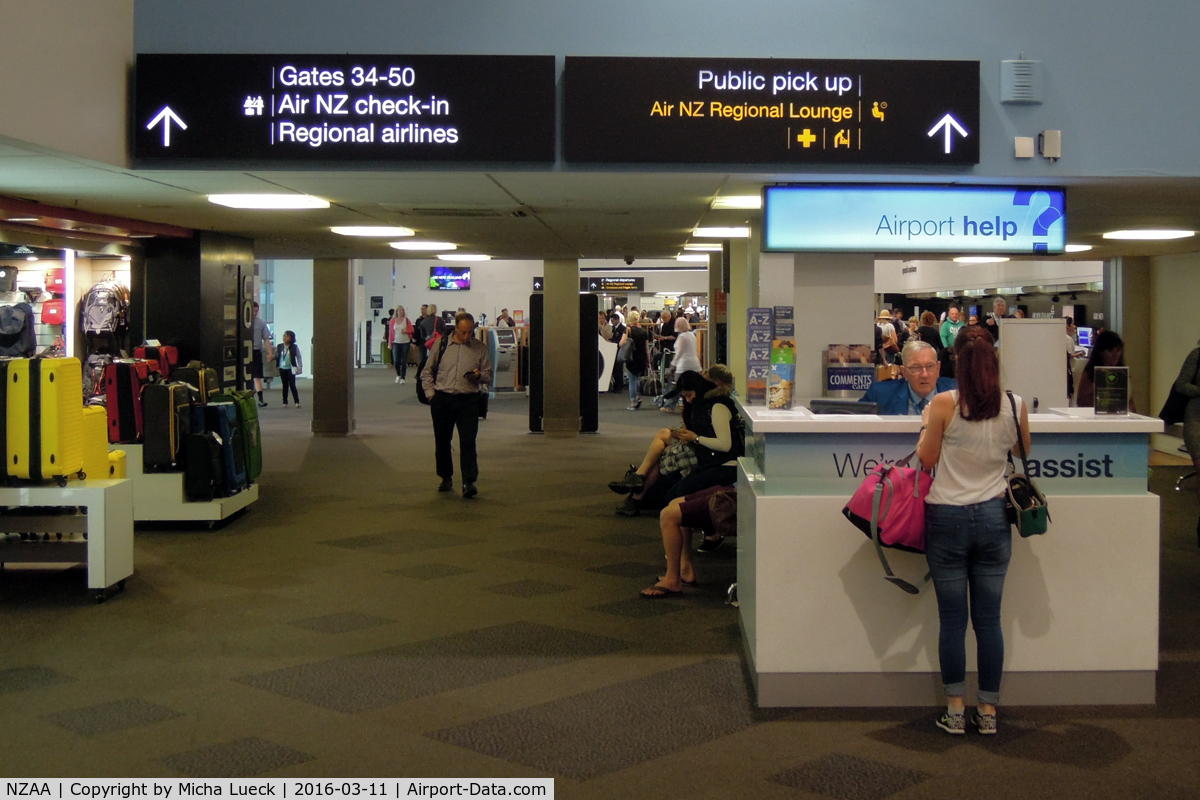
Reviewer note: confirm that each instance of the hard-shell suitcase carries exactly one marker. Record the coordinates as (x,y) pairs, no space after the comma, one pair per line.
(54,312)
(203,470)
(95,442)
(45,418)
(222,420)
(166,408)
(166,356)
(123,384)
(247,409)
(116,465)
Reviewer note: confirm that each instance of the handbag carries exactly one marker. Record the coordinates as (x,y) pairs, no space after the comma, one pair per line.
(1176,405)
(484,397)
(889,507)
(625,351)
(1025,504)
(679,456)
(722,510)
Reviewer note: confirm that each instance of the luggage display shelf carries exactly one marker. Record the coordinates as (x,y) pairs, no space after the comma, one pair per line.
(107,547)
(159,497)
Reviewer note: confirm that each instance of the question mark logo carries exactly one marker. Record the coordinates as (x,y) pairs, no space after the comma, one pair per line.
(1050,215)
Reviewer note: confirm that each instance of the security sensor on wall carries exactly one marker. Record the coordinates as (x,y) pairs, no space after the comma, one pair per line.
(628,259)
(1050,144)
(1024,146)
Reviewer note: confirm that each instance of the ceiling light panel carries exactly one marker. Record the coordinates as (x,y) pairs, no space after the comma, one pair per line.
(707,247)
(268,201)
(739,201)
(980,259)
(463,257)
(1077,248)
(722,233)
(420,246)
(1149,235)
(372,230)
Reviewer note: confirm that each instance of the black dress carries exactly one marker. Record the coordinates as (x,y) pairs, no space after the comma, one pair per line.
(930,336)
(638,357)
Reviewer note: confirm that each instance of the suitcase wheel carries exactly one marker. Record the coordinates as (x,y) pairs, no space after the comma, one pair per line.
(62,481)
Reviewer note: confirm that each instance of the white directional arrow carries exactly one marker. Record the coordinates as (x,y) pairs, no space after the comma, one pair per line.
(167,116)
(947,122)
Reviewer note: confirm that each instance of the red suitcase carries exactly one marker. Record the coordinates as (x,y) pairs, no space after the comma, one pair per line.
(123,382)
(56,281)
(54,312)
(166,356)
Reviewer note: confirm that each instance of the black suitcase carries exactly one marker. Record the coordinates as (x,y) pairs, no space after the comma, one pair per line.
(203,470)
(167,415)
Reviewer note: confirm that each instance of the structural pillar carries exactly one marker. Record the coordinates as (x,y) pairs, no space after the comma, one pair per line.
(560,355)
(743,295)
(1127,301)
(333,347)
(717,311)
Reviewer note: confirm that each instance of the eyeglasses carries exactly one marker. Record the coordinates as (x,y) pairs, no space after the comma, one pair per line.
(921,367)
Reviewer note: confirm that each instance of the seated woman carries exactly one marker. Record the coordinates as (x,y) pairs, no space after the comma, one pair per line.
(640,479)
(677,521)
(1108,351)
(716,432)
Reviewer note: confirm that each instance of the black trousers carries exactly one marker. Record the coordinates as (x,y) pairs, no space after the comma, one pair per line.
(288,379)
(450,411)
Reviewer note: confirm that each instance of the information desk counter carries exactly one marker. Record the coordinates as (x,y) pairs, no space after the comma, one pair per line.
(823,628)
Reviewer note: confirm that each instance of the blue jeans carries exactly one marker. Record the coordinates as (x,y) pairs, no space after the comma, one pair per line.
(400,358)
(968,549)
(633,385)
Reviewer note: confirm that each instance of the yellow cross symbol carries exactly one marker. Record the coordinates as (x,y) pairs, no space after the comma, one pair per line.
(806,138)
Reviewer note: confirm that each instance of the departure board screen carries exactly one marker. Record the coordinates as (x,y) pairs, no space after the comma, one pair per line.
(330,108)
(770,111)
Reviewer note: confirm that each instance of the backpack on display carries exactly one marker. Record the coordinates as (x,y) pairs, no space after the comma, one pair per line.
(16,330)
(54,312)
(166,356)
(93,376)
(8,279)
(104,309)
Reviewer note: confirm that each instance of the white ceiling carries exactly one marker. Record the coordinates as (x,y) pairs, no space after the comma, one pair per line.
(531,214)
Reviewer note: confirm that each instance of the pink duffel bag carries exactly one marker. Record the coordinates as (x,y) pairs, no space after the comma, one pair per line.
(889,507)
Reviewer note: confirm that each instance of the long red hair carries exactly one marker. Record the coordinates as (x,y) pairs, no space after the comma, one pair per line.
(977,370)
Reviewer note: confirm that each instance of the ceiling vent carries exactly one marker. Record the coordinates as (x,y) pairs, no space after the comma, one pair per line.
(1021,81)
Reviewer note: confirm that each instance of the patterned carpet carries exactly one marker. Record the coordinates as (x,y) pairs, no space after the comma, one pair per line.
(355,622)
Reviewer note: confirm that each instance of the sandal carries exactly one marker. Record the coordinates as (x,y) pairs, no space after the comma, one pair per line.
(709,545)
(659,593)
(681,580)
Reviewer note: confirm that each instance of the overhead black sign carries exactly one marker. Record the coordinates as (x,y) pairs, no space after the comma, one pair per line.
(772,111)
(343,108)
(612,284)
(539,283)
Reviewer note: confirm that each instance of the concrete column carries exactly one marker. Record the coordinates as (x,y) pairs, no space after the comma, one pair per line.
(743,294)
(1127,301)
(717,313)
(333,347)
(834,295)
(561,352)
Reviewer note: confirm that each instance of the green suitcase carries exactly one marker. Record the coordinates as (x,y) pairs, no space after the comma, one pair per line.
(247,412)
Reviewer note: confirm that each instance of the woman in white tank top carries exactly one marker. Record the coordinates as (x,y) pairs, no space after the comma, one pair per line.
(968,540)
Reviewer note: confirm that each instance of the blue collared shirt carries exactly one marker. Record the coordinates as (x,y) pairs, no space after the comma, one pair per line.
(914,400)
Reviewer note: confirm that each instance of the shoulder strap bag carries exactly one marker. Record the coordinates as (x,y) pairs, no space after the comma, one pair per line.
(1026,505)
(889,507)
(1176,405)
(433,369)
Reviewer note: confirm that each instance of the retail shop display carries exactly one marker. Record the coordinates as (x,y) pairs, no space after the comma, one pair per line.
(116,465)
(104,316)
(16,326)
(123,384)
(247,420)
(95,442)
(222,420)
(203,379)
(44,418)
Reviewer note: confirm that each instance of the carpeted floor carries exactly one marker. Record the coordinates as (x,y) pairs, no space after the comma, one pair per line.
(357,623)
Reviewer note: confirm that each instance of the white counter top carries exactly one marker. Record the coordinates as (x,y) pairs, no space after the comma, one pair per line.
(1055,420)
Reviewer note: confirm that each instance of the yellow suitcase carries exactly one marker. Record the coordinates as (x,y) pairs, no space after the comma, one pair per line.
(116,465)
(95,442)
(45,418)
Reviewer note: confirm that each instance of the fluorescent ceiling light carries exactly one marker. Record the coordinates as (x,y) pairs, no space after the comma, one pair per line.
(745,201)
(463,257)
(22,219)
(1078,248)
(31,258)
(268,201)
(686,257)
(372,230)
(127,258)
(980,259)
(1149,235)
(722,233)
(708,247)
(425,247)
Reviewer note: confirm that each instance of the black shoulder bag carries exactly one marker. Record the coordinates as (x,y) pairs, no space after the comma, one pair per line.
(1025,504)
(1176,405)
(421,396)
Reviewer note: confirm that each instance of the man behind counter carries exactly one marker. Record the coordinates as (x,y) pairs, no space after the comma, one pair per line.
(910,394)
